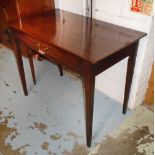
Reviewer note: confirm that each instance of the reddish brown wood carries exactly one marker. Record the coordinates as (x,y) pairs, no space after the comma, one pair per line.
(77,42)
(19,60)
(7,13)
(30,58)
(86,46)
(11,10)
(89,84)
(31,7)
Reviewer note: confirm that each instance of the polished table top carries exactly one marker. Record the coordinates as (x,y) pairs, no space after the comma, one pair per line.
(90,39)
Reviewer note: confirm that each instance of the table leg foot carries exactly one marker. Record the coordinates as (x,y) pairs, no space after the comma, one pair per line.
(60,69)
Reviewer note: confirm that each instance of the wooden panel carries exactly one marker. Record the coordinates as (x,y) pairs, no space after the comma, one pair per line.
(8,13)
(30,7)
(11,10)
(2,17)
(149,98)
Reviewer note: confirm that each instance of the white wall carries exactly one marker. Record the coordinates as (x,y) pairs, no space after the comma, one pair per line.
(146,66)
(57,3)
(75,6)
(112,81)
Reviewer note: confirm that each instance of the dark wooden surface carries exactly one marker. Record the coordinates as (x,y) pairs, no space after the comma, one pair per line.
(91,40)
(14,10)
(5,35)
(11,10)
(86,46)
(32,7)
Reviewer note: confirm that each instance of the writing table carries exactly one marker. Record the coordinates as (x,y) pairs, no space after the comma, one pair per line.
(86,46)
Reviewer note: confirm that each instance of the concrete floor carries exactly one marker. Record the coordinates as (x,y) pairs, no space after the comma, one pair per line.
(50,121)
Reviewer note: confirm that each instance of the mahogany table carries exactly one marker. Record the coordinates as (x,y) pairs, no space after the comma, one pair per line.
(86,46)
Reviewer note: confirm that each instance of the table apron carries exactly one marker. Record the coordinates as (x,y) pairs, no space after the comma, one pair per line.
(108,62)
(59,56)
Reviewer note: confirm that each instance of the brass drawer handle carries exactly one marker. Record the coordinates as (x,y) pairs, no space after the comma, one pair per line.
(42,51)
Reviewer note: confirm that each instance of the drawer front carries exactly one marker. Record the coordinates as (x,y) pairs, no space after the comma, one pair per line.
(53,53)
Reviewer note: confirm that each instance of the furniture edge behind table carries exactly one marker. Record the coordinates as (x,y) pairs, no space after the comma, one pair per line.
(88,70)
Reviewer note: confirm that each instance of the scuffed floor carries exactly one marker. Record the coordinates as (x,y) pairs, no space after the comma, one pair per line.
(134,137)
(50,121)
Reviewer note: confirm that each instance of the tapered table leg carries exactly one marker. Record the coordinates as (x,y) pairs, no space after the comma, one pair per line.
(129,76)
(89,83)
(19,60)
(30,57)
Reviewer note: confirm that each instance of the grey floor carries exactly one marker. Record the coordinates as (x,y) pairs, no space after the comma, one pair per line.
(51,119)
